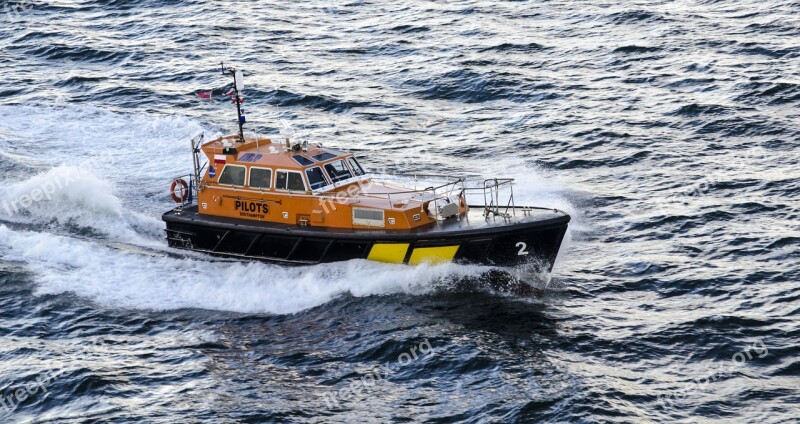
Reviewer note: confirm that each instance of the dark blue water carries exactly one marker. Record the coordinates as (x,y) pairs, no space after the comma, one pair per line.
(669,130)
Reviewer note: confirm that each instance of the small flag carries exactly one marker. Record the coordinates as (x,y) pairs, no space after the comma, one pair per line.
(220,159)
(204,95)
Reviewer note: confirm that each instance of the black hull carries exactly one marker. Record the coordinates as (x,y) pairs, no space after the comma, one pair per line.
(508,243)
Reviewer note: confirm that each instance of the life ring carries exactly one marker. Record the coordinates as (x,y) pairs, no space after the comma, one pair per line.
(181,194)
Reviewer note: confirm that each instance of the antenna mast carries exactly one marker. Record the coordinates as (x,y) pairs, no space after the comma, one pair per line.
(238,86)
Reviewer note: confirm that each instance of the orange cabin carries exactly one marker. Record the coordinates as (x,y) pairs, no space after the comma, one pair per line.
(269,181)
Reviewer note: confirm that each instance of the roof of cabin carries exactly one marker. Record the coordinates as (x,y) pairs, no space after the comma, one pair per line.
(271,151)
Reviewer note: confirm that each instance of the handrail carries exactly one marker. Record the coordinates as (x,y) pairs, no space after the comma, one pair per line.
(424,190)
(435,193)
(411,174)
(491,195)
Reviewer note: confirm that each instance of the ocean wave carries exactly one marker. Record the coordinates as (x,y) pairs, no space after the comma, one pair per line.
(63,264)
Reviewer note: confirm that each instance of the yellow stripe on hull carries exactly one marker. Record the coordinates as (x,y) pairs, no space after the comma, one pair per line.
(393,253)
(433,255)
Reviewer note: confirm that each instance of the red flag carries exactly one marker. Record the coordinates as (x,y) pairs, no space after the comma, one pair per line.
(204,94)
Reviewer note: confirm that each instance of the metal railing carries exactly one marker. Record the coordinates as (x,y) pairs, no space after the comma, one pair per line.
(493,190)
(498,193)
(426,195)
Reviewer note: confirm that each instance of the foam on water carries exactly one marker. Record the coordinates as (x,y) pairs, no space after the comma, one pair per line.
(71,196)
(102,170)
(119,146)
(131,280)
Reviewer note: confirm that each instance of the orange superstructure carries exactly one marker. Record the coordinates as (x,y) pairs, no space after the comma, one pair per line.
(268,179)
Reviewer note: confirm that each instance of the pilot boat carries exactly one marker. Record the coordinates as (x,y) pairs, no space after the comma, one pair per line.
(270,198)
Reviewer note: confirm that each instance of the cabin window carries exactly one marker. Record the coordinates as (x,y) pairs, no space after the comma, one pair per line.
(232,175)
(293,181)
(316,179)
(357,169)
(302,160)
(338,171)
(260,177)
(323,156)
(368,217)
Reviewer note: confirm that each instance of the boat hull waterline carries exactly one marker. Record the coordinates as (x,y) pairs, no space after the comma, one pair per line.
(525,235)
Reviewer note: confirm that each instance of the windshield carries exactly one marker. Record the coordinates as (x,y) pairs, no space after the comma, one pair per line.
(337,171)
(315,178)
(355,166)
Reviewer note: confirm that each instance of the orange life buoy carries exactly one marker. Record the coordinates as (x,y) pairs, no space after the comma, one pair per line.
(180,195)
